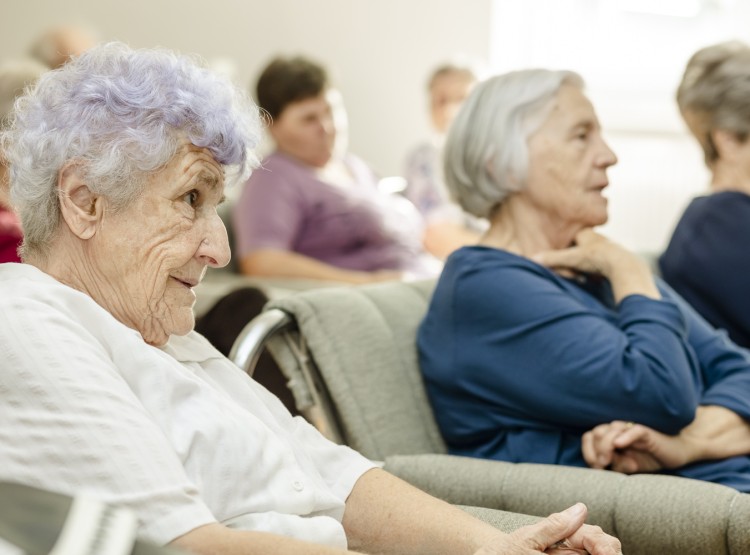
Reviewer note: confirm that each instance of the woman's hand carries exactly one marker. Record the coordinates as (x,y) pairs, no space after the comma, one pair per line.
(630,448)
(560,534)
(595,254)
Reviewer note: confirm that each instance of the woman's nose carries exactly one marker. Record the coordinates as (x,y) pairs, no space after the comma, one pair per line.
(607,157)
(214,250)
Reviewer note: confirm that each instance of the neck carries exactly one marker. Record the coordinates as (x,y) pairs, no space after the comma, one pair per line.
(71,266)
(729,177)
(518,227)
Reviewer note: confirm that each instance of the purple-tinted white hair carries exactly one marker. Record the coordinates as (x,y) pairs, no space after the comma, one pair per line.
(120,114)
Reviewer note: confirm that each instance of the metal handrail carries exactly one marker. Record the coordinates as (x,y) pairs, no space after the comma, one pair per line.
(251,341)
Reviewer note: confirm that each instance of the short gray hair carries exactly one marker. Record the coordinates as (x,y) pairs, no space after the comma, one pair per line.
(119,114)
(715,89)
(486,155)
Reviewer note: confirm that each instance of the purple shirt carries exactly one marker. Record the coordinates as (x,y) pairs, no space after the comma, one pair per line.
(286,206)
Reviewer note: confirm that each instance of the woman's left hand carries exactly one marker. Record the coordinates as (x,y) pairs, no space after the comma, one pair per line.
(630,448)
(593,253)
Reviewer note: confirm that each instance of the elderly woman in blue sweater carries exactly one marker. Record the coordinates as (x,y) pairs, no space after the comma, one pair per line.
(549,343)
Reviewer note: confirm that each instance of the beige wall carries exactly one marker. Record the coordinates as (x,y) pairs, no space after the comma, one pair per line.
(379,50)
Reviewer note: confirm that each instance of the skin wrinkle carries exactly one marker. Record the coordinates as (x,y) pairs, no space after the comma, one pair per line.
(163,240)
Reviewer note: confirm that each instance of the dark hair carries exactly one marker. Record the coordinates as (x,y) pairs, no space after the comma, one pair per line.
(288,80)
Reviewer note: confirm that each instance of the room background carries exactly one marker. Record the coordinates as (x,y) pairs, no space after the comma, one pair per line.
(631,53)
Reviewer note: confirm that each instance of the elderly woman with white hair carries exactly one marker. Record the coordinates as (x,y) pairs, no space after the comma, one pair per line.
(118,163)
(549,343)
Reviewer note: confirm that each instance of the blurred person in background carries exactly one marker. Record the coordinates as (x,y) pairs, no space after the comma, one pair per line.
(314,210)
(55,46)
(15,76)
(447,226)
(707,260)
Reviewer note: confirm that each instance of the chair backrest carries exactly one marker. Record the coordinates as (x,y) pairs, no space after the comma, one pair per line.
(363,344)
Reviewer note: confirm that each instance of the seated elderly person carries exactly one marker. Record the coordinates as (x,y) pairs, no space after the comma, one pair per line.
(707,260)
(118,162)
(314,211)
(447,227)
(547,330)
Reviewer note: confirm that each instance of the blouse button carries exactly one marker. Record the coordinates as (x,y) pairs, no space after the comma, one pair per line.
(297,485)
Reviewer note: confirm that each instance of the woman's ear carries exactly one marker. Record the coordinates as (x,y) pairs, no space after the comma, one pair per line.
(81,209)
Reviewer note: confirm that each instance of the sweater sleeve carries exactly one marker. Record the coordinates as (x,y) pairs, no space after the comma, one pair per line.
(724,365)
(533,351)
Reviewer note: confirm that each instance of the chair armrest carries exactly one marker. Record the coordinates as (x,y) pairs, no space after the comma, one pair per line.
(502,520)
(649,513)
(254,336)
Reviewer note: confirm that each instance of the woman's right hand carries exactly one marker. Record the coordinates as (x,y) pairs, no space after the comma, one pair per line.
(560,534)
(595,254)
(630,448)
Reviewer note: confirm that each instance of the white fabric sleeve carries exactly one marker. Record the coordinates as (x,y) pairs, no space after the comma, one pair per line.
(69,423)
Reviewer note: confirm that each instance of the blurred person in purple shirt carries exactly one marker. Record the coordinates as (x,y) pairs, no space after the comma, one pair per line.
(313,210)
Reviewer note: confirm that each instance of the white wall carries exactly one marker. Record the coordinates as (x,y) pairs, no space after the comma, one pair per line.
(379,51)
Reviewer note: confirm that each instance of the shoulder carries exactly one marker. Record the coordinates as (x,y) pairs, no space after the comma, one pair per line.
(712,224)
(731,207)
(26,289)
(277,183)
(276,168)
(484,275)
(479,261)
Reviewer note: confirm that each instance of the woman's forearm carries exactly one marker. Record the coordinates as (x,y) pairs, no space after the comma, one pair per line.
(716,433)
(216,538)
(287,264)
(386,515)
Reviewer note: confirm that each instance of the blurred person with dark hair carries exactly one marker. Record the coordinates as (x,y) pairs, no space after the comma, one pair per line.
(314,210)
(707,260)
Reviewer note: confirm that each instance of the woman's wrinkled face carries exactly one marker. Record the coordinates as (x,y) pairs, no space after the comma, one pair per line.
(155,251)
(568,162)
(306,130)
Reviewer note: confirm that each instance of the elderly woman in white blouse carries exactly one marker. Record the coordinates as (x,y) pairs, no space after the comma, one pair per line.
(118,163)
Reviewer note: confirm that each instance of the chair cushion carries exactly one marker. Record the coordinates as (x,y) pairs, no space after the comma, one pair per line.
(364,344)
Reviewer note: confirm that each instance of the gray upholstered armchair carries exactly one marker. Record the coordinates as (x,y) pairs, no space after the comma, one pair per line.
(350,357)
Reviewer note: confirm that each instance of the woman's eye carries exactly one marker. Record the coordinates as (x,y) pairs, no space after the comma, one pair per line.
(191,198)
